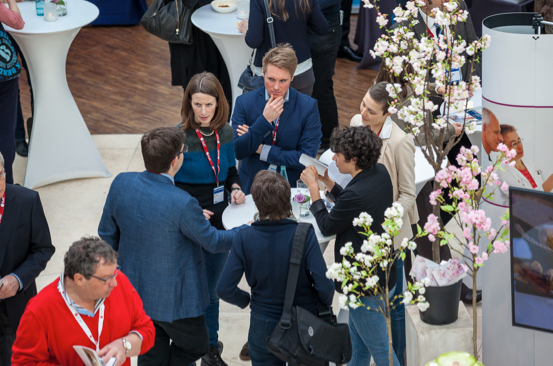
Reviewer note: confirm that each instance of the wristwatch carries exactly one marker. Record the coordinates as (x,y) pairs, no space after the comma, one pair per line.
(127,345)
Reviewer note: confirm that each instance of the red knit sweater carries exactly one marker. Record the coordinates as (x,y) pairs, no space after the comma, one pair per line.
(48,332)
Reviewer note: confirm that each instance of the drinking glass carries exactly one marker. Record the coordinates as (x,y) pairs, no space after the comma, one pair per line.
(301,188)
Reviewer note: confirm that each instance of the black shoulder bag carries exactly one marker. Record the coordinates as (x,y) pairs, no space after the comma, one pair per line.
(248,81)
(301,338)
(169,20)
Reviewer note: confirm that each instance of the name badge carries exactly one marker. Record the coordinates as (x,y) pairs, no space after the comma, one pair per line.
(455,75)
(218,194)
(272,168)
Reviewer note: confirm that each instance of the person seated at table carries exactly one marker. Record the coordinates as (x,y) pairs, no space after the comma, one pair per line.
(275,124)
(208,173)
(290,21)
(356,152)
(262,252)
(523,174)
(91,304)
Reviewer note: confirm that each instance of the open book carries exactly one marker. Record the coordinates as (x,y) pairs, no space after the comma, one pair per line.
(91,358)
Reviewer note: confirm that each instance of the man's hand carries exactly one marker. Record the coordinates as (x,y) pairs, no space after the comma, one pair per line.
(242,130)
(273,108)
(9,288)
(258,151)
(238,197)
(458,128)
(114,349)
(207,214)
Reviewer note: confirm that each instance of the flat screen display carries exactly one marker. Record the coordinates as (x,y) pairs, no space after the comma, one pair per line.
(532,258)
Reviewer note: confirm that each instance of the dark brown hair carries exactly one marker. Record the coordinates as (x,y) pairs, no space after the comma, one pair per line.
(380,95)
(160,146)
(85,255)
(282,56)
(507,128)
(357,142)
(205,83)
(278,9)
(388,75)
(271,195)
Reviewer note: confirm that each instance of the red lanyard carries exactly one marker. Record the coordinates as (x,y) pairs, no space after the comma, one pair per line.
(276,129)
(380,131)
(209,157)
(432,34)
(2,204)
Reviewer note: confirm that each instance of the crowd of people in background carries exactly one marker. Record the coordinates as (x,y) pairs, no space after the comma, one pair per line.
(150,284)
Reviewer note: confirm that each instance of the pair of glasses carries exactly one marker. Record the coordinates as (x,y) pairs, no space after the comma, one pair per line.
(3,174)
(105,280)
(515,144)
(184,151)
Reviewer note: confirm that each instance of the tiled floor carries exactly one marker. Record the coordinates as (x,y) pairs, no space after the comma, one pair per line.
(73,209)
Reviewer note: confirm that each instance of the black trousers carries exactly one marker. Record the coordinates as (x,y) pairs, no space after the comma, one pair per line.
(9,95)
(345,6)
(7,337)
(323,53)
(190,342)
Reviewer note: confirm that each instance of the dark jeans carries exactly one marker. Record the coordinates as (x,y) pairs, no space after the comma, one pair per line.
(8,115)
(323,53)
(345,5)
(398,316)
(304,82)
(189,343)
(214,264)
(7,337)
(20,126)
(261,329)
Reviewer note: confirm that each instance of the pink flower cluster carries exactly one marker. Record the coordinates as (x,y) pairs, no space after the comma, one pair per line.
(432,226)
(477,218)
(499,247)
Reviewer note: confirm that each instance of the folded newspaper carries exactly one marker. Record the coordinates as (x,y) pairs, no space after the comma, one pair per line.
(440,275)
(91,358)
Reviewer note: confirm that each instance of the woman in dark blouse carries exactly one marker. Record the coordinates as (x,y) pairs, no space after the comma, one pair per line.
(262,252)
(208,173)
(356,151)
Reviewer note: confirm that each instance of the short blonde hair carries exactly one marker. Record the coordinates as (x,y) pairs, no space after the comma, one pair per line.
(282,56)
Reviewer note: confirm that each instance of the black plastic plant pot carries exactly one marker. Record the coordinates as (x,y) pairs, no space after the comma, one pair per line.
(444,304)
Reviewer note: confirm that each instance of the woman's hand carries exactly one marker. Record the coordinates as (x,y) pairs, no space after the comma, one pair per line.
(242,130)
(243,26)
(310,177)
(207,214)
(329,183)
(237,196)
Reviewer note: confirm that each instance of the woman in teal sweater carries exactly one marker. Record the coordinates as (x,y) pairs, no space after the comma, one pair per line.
(209,174)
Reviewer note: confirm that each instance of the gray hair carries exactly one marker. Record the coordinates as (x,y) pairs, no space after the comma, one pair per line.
(1,159)
(486,116)
(84,256)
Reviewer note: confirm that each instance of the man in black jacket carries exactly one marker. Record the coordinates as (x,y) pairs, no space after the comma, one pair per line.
(25,248)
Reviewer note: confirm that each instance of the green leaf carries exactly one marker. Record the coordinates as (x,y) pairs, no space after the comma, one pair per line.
(419,230)
(447,208)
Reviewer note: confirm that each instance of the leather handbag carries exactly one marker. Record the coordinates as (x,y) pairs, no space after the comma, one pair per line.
(248,81)
(169,20)
(301,338)
(9,65)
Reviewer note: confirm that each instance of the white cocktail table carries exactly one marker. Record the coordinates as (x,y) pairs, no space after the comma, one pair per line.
(237,215)
(230,42)
(61,146)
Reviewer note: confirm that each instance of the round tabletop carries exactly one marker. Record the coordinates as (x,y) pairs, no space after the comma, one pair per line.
(237,215)
(213,22)
(79,14)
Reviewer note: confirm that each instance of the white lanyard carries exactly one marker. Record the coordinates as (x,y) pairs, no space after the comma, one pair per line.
(83,324)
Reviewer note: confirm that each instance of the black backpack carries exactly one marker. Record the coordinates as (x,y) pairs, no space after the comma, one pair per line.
(301,338)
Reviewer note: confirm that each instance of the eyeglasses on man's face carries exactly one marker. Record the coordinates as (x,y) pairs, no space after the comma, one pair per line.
(2,173)
(105,280)
(184,151)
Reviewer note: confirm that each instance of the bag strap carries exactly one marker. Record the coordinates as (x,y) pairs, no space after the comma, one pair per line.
(270,21)
(295,261)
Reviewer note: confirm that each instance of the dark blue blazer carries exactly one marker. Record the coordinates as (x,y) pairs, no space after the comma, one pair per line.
(159,231)
(299,132)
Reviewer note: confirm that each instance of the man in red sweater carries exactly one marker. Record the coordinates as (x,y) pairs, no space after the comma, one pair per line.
(92,304)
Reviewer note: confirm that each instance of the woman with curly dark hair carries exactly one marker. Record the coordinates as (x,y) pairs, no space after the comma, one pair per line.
(356,152)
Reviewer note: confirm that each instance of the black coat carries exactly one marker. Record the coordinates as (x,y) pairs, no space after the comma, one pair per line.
(25,246)
(371,191)
(202,55)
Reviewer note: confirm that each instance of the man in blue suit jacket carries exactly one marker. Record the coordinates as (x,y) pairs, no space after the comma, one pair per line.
(275,124)
(159,231)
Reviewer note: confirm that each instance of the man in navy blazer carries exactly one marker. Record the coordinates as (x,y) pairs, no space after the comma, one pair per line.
(159,231)
(275,124)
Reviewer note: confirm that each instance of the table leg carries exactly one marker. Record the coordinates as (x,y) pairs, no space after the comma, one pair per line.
(61,146)
(236,54)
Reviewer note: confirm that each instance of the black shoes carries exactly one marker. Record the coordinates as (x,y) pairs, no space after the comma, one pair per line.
(468,297)
(213,357)
(245,353)
(349,54)
(21,148)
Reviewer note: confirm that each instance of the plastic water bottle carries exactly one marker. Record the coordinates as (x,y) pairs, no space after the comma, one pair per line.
(40,7)
(283,173)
